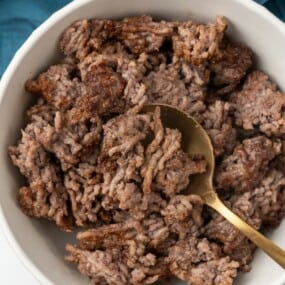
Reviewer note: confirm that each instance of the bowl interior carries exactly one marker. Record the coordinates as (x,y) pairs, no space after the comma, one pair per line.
(39,244)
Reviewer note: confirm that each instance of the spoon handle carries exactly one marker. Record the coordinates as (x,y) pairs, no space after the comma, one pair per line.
(256,237)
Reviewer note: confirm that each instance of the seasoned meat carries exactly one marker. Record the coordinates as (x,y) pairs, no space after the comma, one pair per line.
(264,205)
(221,271)
(243,254)
(269,198)
(142,34)
(68,141)
(166,164)
(220,230)
(180,85)
(83,187)
(139,34)
(96,161)
(74,39)
(45,197)
(83,36)
(108,267)
(183,215)
(218,124)
(197,43)
(199,262)
(231,67)
(121,159)
(135,265)
(101,95)
(40,200)
(56,86)
(260,105)
(245,167)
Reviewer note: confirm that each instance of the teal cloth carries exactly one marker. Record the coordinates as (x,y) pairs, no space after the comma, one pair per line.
(18,18)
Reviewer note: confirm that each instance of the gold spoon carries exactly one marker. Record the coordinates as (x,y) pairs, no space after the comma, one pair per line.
(195,141)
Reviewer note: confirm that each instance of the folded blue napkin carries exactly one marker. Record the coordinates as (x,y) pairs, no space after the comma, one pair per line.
(18,18)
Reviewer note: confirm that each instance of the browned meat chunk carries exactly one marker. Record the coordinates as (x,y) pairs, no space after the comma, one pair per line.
(199,262)
(99,266)
(55,132)
(86,35)
(221,271)
(139,34)
(228,71)
(74,40)
(183,215)
(269,198)
(260,105)
(218,124)
(220,230)
(197,43)
(142,34)
(126,250)
(101,93)
(243,254)
(56,86)
(42,201)
(82,184)
(180,85)
(121,159)
(109,267)
(246,166)
(45,197)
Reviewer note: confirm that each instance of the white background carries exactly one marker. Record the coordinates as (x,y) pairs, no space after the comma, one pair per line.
(12,272)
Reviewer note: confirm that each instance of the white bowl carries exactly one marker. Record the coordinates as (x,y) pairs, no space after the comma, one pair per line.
(39,244)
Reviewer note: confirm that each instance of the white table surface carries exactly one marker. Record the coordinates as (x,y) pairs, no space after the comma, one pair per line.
(12,271)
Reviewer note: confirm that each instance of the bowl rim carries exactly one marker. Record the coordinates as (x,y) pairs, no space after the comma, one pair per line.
(8,75)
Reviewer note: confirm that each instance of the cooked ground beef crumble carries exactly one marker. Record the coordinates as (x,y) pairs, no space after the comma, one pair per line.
(90,162)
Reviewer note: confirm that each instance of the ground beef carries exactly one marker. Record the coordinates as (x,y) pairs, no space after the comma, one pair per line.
(84,36)
(269,198)
(220,230)
(196,43)
(109,267)
(199,262)
(68,141)
(260,105)
(243,254)
(166,164)
(139,34)
(74,40)
(45,197)
(82,185)
(218,124)
(231,67)
(180,85)
(121,159)
(127,246)
(246,166)
(142,34)
(101,92)
(263,205)
(56,86)
(183,215)
(94,159)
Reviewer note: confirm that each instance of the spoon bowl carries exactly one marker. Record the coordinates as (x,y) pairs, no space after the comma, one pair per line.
(195,141)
